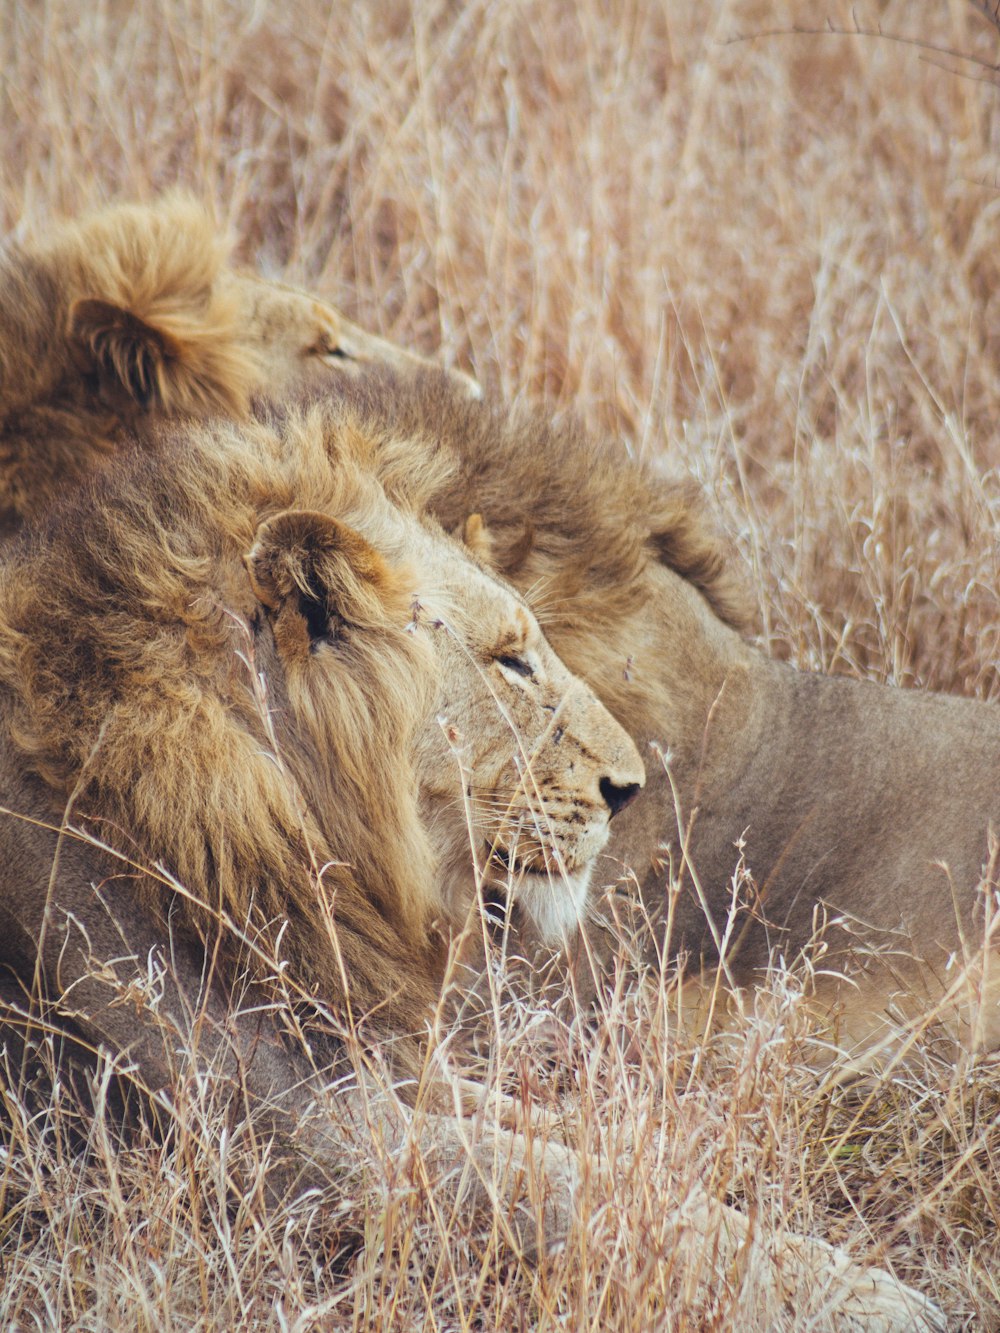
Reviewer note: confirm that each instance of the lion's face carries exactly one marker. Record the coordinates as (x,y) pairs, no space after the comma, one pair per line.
(518,768)
(303,343)
(519,763)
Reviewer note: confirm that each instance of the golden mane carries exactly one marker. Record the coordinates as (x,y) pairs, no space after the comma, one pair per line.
(127,653)
(161,265)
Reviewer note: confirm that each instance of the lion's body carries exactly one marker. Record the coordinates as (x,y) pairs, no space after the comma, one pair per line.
(135,314)
(863,807)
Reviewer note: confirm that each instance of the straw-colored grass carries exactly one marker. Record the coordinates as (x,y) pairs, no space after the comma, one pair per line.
(768,258)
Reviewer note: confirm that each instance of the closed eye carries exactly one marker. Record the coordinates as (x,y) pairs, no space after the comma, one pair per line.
(330,350)
(517,664)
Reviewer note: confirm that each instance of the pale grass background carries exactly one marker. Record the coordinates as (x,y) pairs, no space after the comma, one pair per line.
(770,259)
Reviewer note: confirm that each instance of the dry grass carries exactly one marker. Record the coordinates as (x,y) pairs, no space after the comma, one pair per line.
(773,262)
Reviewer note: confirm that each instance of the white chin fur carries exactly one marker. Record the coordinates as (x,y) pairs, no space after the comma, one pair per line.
(556,903)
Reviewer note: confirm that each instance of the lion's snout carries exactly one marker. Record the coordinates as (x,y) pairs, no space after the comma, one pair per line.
(618,795)
(621,776)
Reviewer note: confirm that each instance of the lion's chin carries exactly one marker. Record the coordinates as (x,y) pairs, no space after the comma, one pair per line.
(554,901)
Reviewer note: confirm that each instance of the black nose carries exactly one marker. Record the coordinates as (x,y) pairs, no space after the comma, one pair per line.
(617,797)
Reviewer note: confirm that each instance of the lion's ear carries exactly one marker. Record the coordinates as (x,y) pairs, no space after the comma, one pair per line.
(320,577)
(498,550)
(123,350)
(476,537)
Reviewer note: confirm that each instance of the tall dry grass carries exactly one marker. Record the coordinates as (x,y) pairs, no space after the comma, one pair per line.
(767,258)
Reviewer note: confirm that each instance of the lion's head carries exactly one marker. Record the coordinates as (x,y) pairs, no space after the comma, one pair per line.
(255,665)
(136,313)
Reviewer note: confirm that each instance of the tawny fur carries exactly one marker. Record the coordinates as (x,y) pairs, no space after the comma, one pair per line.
(135,314)
(862,808)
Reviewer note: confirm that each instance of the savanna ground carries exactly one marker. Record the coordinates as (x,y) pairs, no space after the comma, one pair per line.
(766,257)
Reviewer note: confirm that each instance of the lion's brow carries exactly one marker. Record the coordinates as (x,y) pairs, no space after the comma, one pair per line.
(508,641)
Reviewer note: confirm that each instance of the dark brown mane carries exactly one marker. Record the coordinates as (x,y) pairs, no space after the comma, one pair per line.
(551,488)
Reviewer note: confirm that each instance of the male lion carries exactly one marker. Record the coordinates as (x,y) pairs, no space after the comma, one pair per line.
(269,690)
(258,680)
(860,807)
(135,312)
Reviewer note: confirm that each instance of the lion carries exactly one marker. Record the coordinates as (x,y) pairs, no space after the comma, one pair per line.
(135,313)
(264,681)
(865,809)
(254,709)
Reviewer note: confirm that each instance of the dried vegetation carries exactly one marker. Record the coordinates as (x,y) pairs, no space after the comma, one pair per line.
(769,258)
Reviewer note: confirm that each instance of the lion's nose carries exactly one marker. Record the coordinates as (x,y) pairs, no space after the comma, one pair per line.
(616,797)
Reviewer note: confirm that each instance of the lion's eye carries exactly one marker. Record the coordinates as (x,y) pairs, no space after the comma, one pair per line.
(330,350)
(517,664)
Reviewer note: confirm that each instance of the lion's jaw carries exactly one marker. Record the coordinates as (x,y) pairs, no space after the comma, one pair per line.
(556,909)
(473,871)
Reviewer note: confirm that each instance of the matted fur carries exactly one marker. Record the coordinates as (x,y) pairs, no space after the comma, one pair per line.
(124,686)
(135,313)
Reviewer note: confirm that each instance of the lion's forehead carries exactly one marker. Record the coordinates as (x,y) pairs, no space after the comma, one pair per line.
(485,612)
(472,619)
(271,310)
